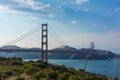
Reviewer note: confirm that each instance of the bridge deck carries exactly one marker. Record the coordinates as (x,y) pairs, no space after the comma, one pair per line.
(32,50)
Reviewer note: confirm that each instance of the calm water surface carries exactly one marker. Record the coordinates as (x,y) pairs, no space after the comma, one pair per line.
(109,68)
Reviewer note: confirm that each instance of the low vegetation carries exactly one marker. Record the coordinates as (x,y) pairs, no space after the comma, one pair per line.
(16,69)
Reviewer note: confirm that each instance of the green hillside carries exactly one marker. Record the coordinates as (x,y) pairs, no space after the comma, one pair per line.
(16,69)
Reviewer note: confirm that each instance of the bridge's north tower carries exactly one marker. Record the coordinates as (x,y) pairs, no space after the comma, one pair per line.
(44,43)
(92,47)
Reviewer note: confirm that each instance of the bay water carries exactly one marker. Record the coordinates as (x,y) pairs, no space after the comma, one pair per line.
(109,68)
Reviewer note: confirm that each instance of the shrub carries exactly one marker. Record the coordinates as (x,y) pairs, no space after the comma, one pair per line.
(41,65)
(38,75)
(74,77)
(8,73)
(20,78)
(17,63)
(17,70)
(64,76)
(15,58)
(52,75)
(31,70)
(4,75)
(39,61)
(3,58)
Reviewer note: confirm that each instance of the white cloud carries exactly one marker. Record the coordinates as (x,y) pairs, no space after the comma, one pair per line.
(73,22)
(85,9)
(32,4)
(51,15)
(81,1)
(34,18)
(4,9)
(117,9)
(33,7)
(7,9)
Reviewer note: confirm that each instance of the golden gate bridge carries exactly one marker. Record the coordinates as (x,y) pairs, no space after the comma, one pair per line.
(44,43)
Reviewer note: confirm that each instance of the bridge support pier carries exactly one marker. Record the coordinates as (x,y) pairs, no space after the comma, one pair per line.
(44,43)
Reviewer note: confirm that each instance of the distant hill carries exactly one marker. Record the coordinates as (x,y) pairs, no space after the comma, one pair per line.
(24,55)
(11,47)
(57,55)
(117,56)
(84,53)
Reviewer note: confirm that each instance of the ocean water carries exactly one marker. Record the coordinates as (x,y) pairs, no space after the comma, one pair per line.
(105,67)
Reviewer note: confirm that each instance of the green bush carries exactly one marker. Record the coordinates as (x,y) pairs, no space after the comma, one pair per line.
(39,75)
(8,73)
(20,78)
(3,58)
(74,77)
(40,65)
(15,58)
(64,76)
(16,63)
(4,75)
(17,71)
(39,61)
(31,70)
(52,75)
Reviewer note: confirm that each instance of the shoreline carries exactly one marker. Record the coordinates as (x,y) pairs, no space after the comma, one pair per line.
(16,68)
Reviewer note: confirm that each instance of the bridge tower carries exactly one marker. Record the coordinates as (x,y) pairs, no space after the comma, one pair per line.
(44,43)
(92,47)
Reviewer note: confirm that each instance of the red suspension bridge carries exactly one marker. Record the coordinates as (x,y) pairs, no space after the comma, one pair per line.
(44,43)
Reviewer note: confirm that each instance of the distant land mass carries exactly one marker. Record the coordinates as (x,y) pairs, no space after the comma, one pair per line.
(84,53)
(23,55)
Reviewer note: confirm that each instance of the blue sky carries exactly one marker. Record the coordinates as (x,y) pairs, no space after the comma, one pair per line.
(77,22)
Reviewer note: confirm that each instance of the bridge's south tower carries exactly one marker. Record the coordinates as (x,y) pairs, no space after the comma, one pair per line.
(44,43)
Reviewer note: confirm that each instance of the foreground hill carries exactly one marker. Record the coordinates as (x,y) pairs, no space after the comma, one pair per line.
(84,53)
(16,69)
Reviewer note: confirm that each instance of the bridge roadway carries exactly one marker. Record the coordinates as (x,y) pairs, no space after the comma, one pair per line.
(37,50)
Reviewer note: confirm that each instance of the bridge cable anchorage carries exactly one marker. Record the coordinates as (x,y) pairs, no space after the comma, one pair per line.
(23,36)
(57,36)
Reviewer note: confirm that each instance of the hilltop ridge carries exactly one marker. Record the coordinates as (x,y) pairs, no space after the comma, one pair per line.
(83,53)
